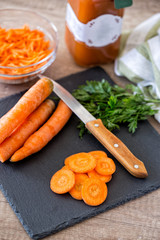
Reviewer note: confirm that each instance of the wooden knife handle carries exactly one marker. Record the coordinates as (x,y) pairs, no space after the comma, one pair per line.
(117,148)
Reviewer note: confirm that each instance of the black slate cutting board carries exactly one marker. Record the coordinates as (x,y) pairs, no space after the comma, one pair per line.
(26,184)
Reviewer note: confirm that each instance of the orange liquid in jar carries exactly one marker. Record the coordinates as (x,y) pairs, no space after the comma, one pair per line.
(85,11)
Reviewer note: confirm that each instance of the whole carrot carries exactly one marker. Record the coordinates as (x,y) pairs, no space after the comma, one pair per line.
(24,107)
(29,126)
(41,137)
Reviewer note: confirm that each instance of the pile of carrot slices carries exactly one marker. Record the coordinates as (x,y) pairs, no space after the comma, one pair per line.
(22,47)
(27,127)
(85,176)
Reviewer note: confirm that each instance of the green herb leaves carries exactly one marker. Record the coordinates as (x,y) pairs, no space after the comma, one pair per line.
(113,104)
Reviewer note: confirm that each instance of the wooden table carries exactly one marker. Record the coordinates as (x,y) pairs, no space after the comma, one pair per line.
(136,220)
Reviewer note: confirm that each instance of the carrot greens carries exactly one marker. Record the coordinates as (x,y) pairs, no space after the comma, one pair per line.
(114,105)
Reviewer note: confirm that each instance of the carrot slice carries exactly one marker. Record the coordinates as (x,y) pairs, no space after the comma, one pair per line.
(98,154)
(81,162)
(41,137)
(104,178)
(65,167)
(24,107)
(105,166)
(66,161)
(62,181)
(94,191)
(76,190)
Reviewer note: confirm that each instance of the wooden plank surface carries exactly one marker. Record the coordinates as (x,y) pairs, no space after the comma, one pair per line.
(138,219)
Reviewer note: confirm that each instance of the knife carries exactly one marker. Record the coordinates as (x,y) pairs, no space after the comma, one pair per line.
(113,144)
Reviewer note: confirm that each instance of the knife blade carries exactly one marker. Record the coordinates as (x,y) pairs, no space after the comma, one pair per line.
(113,144)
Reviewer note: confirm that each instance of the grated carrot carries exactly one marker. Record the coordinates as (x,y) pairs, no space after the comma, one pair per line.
(22,47)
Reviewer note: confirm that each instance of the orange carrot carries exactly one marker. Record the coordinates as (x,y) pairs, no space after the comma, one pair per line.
(98,154)
(29,126)
(62,181)
(94,191)
(75,192)
(24,107)
(66,161)
(81,162)
(90,187)
(105,166)
(41,137)
(104,178)
(65,167)
(22,47)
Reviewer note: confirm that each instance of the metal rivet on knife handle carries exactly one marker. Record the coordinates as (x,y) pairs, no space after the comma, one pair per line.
(136,166)
(116,145)
(117,148)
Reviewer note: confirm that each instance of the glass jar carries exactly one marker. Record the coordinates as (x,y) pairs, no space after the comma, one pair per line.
(93,29)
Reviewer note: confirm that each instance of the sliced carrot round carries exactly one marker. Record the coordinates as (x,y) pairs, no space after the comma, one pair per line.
(94,191)
(105,166)
(65,167)
(66,161)
(104,178)
(81,162)
(98,154)
(62,181)
(76,190)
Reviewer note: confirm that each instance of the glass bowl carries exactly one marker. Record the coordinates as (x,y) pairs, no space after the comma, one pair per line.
(17,18)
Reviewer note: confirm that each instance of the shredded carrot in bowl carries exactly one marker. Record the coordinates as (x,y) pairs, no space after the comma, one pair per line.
(22,50)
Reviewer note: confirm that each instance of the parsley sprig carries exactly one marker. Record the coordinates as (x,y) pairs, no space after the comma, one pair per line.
(114,105)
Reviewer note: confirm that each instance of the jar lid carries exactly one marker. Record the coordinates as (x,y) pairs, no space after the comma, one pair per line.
(122,3)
